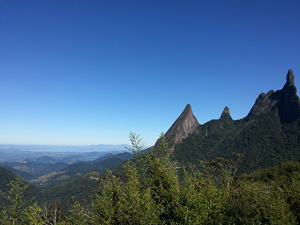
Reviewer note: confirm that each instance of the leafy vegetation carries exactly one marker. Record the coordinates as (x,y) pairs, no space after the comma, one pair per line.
(151,192)
(17,210)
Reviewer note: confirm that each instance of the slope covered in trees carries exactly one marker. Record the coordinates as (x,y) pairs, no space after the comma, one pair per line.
(7,176)
(264,142)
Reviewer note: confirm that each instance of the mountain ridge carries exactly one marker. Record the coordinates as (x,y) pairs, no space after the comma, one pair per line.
(267,136)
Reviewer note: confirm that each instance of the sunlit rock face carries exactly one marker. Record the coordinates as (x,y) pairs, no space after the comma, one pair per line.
(285,102)
(185,124)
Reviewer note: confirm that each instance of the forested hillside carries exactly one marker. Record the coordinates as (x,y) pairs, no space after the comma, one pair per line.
(264,142)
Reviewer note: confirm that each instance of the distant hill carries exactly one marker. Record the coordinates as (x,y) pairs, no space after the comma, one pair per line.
(35,168)
(108,161)
(45,159)
(267,136)
(101,158)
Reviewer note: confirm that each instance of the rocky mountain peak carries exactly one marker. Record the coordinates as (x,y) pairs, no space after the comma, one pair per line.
(289,88)
(290,78)
(185,124)
(225,113)
(284,101)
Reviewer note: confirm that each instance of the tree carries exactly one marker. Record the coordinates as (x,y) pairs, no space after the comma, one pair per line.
(224,170)
(126,200)
(52,212)
(17,209)
(257,203)
(148,193)
(78,214)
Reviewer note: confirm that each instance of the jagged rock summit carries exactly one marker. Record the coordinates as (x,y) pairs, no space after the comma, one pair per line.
(284,101)
(225,113)
(290,79)
(185,124)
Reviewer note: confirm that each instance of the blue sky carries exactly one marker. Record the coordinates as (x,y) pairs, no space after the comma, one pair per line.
(82,72)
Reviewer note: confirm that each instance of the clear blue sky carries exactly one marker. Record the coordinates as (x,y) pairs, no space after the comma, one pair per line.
(84,72)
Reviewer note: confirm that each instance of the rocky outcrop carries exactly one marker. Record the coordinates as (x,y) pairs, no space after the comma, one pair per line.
(284,101)
(226,113)
(185,124)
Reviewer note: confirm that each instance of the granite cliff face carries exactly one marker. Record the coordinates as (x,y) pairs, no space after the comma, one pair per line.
(284,101)
(185,124)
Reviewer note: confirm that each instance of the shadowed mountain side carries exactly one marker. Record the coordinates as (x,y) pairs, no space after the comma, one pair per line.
(7,176)
(24,175)
(285,101)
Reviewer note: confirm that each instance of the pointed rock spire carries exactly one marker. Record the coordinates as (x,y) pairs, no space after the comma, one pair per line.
(225,113)
(289,87)
(290,78)
(185,124)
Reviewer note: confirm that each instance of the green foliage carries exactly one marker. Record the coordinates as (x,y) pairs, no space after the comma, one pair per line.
(17,209)
(200,201)
(257,203)
(123,203)
(78,187)
(78,214)
(224,169)
(285,177)
(33,215)
(128,200)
